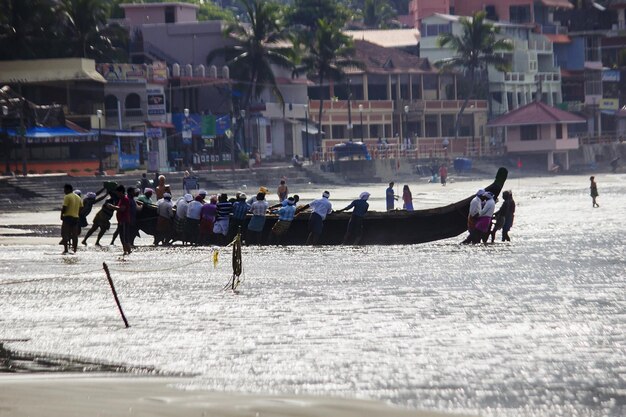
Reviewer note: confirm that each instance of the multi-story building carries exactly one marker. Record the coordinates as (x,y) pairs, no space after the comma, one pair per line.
(400,99)
(533,70)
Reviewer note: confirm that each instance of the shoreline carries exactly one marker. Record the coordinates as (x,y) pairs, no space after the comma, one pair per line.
(80,394)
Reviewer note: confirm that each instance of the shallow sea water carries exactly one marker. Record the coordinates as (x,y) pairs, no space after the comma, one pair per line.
(535,327)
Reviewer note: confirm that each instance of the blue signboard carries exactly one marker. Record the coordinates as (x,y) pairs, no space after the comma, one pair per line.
(222,124)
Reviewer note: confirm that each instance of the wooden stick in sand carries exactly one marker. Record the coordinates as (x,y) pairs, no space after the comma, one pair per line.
(117,301)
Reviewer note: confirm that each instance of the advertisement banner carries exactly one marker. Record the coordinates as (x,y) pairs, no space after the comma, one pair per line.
(156,103)
(158,72)
(609,104)
(611,76)
(208,126)
(130,73)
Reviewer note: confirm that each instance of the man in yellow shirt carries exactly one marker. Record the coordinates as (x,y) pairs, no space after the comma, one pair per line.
(69,218)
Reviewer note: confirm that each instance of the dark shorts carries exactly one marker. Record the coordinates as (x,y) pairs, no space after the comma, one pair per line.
(69,227)
(280,227)
(102,220)
(316,224)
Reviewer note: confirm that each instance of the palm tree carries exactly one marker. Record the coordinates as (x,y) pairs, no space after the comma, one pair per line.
(329,53)
(476,48)
(258,48)
(378,14)
(87,30)
(28,29)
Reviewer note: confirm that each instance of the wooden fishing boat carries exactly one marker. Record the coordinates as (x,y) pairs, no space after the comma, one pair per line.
(379,228)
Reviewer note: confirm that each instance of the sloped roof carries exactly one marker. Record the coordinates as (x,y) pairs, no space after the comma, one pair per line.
(49,70)
(558,38)
(535,113)
(561,4)
(389,38)
(380,60)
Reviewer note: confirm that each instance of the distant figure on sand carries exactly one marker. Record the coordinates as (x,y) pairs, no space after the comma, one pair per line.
(443,174)
(594,191)
(390,197)
(282,191)
(407,198)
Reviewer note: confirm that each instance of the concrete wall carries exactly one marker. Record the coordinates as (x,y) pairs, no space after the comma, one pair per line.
(138,15)
(187,43)
(546,141)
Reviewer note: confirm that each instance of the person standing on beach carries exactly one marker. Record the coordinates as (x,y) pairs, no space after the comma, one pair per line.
(102,220)
(321,207)
(161,187)
(124,215)
(69,218)
(144,183)
(282,191)
(390,197)
(407,198)
(443,174)
(594,191)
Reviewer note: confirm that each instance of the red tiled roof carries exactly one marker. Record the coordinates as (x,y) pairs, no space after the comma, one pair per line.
(558,38)
(381,60)
(535,113)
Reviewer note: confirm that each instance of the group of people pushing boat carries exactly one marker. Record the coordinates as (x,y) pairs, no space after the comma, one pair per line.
(483,221)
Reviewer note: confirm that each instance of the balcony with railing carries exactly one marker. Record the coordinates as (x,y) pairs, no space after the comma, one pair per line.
(418,148)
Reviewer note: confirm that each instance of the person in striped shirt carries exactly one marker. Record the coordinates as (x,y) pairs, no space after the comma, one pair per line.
(222,223)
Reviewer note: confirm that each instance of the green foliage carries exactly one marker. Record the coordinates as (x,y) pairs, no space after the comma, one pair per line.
(475,49)
(32,29)
(378,14)
(260,45)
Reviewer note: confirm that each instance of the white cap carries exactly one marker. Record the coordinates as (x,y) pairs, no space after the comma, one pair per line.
(480,192)
(202,192)
(188,197)
(364,195)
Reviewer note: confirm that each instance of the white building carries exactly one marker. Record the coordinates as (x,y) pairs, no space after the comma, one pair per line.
(532,63)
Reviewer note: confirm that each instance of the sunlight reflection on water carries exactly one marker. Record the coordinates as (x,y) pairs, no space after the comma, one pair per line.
(531,328)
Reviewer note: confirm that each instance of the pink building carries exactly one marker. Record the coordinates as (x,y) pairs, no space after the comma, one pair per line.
(145,13)
(515,11)
(537,128)
(419,9)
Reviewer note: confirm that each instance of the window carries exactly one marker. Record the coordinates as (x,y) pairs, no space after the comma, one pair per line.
(519,14)
(559,131)
(110,105)
(436,30)
(170,14)
(528,132)
(133,105)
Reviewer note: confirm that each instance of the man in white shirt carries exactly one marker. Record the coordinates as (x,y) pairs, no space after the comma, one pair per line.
(181,217)
(483,224)
(192,222)
(474,212)
(321,208)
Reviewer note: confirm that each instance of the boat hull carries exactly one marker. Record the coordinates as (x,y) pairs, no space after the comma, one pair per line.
(379,228)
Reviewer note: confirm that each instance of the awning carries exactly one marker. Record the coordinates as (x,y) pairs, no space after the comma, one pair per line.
(49,70)
(120,133)
(311,129)
(561,4)
(49,132)
(162,125)
(598,6)
(58,135)
(558,38)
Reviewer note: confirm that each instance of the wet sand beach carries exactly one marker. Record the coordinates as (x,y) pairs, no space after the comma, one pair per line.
(530,328)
